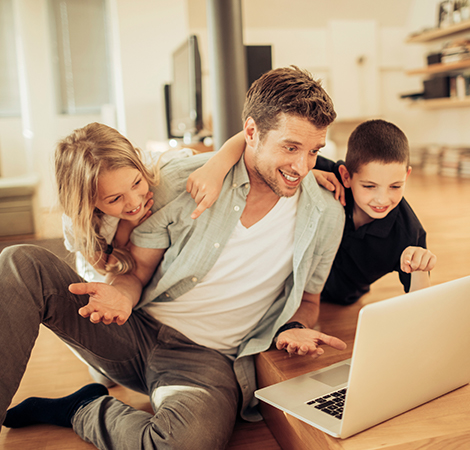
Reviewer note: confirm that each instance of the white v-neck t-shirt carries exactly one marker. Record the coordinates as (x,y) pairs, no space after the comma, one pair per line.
(246,279)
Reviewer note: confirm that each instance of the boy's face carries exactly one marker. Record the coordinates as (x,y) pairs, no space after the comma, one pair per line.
(377,188)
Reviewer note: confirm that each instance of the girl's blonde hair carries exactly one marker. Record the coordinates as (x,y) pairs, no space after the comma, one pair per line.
(80,158)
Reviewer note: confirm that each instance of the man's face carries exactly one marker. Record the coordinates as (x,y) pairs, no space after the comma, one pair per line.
(285,156)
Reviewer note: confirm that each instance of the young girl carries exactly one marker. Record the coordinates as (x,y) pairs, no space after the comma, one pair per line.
(103,187)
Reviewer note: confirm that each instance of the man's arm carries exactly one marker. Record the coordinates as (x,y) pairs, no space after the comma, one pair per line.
(306,341)
(113,302)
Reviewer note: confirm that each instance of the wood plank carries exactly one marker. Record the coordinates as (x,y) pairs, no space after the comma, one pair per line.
(438,33)
(440,68)
(440,103)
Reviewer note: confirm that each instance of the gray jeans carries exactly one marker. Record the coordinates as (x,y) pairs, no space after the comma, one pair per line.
(192,389)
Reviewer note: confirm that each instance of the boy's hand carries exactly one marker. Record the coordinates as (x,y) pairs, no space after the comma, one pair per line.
(204,189)
(329,181)
(417,258)
(106,303)
(305,341)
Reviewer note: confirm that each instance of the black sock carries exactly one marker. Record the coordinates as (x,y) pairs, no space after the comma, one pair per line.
(55,411)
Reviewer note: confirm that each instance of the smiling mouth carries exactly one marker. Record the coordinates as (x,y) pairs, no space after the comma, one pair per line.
(379,209)
(135,210)
(289,178)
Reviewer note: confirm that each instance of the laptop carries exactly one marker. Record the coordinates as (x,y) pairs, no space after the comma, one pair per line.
(407,351)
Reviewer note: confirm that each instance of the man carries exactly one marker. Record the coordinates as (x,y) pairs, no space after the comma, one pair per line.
(217,290)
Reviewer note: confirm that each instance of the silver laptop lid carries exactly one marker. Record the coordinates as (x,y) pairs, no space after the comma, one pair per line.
(407,351)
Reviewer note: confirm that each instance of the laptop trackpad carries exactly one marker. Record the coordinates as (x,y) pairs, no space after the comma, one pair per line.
(334,377)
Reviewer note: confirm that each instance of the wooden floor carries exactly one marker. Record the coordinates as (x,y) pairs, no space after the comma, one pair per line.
(442,204)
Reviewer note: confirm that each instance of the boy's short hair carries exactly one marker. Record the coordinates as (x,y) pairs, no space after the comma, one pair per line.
(376,141)
(288,90)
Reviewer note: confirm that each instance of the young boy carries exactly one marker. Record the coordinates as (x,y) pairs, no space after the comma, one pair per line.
(381,234)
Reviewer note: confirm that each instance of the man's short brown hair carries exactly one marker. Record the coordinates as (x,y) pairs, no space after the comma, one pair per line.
(288,90)
(376,141)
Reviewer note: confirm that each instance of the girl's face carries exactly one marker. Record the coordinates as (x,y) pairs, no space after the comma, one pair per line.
(122,193)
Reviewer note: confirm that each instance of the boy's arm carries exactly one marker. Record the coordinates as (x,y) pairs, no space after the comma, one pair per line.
(329,181)
(307,341)
(417,261)
(205,183)
(324,164)
(324,172)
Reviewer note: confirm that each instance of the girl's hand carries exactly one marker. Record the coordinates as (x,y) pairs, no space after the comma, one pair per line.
(205,183)
(204,189)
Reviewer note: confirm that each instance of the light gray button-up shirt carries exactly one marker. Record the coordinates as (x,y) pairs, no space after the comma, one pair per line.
(193,246)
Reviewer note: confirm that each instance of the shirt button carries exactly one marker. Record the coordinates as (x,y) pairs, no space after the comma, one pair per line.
(236,208)
(194,279)
(167,294)
(216,245)
(234,185)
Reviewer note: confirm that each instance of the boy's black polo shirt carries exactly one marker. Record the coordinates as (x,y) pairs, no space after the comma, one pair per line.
(372,251)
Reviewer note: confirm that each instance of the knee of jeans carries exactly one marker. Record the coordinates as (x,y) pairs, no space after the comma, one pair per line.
(21,252)
(193,417)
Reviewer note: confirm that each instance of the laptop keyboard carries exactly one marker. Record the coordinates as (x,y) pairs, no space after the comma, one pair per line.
(332,404)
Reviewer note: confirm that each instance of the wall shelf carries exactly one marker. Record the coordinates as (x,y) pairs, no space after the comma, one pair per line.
(438,33)
(440,103)
(440,68)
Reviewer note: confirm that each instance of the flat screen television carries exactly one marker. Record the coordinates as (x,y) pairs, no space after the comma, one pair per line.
(184,95)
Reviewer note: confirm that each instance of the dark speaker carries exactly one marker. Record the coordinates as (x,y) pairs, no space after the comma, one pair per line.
(258,61)
(437,87)
(167,94)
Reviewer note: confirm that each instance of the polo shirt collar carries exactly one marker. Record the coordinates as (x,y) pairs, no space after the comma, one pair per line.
(380,228)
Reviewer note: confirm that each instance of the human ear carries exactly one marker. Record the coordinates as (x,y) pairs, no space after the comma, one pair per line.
(345,176)
(408,173)
(251,132)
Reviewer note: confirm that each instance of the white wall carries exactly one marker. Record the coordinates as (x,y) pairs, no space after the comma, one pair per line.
(147,31)
(307,32)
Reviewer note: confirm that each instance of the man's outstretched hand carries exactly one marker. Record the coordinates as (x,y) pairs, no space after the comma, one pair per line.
(106,303)
(304,341)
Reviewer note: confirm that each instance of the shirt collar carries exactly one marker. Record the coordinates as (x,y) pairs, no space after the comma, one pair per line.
(378,227)
(308,186)
(240,176)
